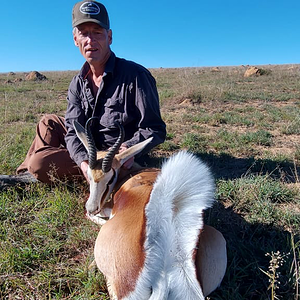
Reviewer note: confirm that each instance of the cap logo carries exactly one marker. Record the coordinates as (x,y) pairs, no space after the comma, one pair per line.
(90,8)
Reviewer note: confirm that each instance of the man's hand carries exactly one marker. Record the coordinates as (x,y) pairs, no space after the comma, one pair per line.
(84,166)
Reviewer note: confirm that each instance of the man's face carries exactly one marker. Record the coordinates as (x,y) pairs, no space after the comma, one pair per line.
(93,42)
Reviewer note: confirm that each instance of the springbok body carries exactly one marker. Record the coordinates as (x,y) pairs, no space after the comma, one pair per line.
(155,244)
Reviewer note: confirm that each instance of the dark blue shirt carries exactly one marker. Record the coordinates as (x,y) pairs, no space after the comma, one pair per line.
(127,94)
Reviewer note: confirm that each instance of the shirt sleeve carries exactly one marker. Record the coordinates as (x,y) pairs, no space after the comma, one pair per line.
(75,111)
(150,123)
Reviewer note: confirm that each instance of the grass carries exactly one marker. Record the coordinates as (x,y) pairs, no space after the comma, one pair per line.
(245,129)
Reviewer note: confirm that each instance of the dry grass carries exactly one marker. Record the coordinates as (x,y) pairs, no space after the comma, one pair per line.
(245,129)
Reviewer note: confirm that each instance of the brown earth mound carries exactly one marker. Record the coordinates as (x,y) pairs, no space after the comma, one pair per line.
(34,76)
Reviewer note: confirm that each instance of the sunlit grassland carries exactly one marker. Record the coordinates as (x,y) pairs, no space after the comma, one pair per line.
(245,129)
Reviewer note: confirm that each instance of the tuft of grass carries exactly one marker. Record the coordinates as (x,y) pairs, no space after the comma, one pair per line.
(292,127)
(194,142)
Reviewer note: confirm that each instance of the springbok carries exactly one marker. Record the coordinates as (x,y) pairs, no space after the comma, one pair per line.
(154,244)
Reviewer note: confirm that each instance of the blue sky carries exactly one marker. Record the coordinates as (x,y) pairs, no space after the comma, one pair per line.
(37,35)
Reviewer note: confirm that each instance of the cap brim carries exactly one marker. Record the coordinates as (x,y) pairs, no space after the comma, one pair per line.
(89,20)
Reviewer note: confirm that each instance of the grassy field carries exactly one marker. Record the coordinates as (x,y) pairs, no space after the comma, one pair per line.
(246,129)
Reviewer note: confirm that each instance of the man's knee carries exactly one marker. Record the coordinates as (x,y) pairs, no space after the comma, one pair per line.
(51,130)
(52,121)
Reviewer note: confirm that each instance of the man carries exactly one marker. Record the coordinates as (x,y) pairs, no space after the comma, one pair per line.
(107,87)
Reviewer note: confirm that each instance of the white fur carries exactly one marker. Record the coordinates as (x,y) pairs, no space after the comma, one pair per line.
(181,192)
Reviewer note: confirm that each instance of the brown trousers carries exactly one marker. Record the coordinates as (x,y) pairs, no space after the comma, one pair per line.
(48,158)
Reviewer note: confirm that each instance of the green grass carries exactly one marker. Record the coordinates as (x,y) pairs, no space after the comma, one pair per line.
(265,224)
(44,236)
(245,129)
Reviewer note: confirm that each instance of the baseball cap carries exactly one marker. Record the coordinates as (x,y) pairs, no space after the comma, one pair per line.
(90,11)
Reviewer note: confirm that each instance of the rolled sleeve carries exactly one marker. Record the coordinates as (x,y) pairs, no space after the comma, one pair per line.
(74,112)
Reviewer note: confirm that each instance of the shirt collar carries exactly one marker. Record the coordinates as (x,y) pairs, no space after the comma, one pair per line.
(109,67)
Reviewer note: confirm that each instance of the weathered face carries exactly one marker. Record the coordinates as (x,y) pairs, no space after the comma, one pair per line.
(93,42)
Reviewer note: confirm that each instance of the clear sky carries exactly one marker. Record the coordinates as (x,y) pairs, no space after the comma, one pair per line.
(37,35)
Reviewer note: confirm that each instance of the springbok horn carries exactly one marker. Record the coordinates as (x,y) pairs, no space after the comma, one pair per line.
(91,144)
(107,160)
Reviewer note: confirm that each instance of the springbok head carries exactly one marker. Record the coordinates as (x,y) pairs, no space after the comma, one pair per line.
(104,166)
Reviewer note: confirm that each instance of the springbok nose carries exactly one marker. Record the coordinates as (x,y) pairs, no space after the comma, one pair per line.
(92,209)
(91,206)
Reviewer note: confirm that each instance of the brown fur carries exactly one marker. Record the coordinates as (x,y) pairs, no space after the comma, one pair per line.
(119,249)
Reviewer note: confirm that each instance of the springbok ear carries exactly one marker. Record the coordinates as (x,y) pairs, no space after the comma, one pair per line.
(80,131)
(132,151)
